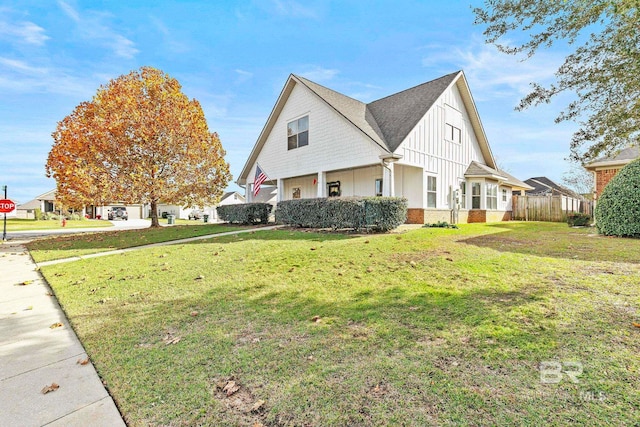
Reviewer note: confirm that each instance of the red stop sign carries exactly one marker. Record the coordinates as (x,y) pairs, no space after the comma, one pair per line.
(7,206)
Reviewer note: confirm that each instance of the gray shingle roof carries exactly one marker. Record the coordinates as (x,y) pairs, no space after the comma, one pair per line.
(543,185)
(351,109)
(624,156)
(397,114)
(389,120)
(476,169)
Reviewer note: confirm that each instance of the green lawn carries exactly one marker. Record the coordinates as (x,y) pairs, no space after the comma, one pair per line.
(15,224)
(82,244)
(429,327)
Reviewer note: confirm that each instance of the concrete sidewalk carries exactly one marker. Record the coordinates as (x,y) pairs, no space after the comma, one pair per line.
(34,355)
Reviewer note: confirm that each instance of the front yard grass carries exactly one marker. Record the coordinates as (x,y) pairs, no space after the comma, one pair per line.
(428,327)
(53,248)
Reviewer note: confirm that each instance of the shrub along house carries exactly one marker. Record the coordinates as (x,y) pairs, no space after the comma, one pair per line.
(426,144)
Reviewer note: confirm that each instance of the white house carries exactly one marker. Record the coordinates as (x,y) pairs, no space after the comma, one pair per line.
(425,143)
(228,198)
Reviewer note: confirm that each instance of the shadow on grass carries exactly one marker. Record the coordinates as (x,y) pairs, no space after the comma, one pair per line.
(557,240)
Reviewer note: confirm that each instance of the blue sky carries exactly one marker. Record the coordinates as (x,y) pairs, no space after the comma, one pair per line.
(235,56)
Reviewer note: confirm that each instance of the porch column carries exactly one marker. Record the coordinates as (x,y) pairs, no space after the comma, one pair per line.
(322,184)
(249,193)
(388,185)
(280,190)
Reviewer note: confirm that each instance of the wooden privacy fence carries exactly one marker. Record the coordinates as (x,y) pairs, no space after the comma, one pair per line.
(548,208)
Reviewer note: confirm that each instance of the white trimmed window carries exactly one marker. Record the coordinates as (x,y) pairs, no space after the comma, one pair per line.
(475,195)
(492,195)
(298,133)
(379,187)
(504,194)
(463,195)
(432,191)
(453,124)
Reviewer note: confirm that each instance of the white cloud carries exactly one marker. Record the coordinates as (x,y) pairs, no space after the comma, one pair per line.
(493,74)
(25,32)
(319,74)
(21,66)
(91,26)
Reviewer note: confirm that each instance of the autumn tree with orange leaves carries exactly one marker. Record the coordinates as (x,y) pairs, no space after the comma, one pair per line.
(139,140)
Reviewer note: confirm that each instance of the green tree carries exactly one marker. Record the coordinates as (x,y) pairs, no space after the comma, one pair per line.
(603,70)
(139,140)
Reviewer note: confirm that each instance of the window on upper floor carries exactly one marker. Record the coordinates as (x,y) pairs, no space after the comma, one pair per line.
(432,192)
(453,124)
(452,133)
(298,133)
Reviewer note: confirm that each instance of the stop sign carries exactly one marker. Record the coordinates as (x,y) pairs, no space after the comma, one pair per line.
(7,206)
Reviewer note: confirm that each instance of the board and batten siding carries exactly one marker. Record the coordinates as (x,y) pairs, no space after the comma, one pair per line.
(427,148)
(334,142)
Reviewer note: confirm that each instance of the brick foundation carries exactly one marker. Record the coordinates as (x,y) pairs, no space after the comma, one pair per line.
(477,215)
(415,216)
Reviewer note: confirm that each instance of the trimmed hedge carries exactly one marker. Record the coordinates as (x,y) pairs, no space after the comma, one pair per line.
(246,213)
(356,213)
(618,208)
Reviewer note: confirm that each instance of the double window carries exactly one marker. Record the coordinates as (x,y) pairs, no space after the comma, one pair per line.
(298,133)
(432,191)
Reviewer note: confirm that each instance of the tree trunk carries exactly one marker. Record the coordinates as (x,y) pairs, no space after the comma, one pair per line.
(154,214)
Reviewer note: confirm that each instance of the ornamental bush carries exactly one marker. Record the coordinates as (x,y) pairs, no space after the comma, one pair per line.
(618,207)
(246,213)
(355,213)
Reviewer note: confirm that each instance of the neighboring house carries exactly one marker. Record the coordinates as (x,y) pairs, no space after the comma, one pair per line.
(228,198)
(426,144)
(45,202)
(543,186)
(605,168)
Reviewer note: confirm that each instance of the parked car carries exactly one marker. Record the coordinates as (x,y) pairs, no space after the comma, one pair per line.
(195,214)
(119,212)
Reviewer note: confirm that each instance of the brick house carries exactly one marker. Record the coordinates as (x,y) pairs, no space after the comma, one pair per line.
(605,168)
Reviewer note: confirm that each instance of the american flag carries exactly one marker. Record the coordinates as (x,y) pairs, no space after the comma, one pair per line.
(260,178)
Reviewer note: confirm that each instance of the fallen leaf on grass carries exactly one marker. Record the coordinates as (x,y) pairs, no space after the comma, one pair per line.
(83,361)
(637,325)
(170,339)
(230,388)
(56,325)
(315,319)
(29,308)
(25,283)
(258,405)
(50,388)
(49,294)
(200,277)
(194,313)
